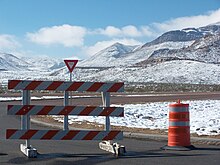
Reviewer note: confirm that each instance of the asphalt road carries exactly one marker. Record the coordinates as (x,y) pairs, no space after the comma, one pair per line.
(87,152)
(123,98)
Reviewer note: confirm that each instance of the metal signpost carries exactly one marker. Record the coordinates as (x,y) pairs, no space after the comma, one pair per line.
(70,65)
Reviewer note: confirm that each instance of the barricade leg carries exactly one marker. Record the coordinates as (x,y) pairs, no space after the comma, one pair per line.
(109,146)
(114,148)
(27,149)
(106,103)
(66,118)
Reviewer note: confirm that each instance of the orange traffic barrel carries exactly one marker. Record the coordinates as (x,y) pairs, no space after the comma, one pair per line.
(179,127)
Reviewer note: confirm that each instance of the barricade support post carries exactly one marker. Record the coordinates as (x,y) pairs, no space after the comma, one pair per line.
(26,110)
(27,149)
(110,146)
(66,118)
(106,103)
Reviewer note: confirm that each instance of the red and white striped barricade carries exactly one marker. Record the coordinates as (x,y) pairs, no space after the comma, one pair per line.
(26,110)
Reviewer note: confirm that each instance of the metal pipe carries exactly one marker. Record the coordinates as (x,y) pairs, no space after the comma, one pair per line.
(25,119)
(106,103)
(66,103)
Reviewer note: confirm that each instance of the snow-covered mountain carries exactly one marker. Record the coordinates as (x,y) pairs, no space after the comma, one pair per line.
(205,49)
(11,62)
(109,56)
(44,63)
(177,71)
(185,35)
(181,42)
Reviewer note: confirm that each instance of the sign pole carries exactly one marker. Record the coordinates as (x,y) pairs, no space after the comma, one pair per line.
(71,79)
(70,65)
(71,76)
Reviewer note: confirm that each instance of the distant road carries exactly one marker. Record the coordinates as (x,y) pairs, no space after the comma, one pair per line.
(128,98)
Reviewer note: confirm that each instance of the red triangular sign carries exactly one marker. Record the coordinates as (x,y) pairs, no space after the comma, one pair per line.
(71,64)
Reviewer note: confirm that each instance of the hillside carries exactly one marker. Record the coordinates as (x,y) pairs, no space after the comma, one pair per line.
(206,49)
(188,34)
(199,44)
(11,62)
(109,56)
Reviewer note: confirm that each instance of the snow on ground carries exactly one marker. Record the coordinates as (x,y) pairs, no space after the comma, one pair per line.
(39,98)
(32,98)
(168,72)
(204,116)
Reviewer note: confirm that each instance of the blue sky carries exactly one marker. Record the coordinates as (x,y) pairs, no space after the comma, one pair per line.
(80,28)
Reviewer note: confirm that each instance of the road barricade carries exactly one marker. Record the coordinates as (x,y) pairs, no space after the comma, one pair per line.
(26,110)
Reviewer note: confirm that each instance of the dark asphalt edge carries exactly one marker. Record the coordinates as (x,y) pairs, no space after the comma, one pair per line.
(155,137)
(141,136)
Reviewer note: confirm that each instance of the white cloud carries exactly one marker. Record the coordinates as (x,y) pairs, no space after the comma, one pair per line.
(110,31)
(147,31)
(91,50)
(185,22)
(66,35)
(126,31)
(8,42)
(131,31)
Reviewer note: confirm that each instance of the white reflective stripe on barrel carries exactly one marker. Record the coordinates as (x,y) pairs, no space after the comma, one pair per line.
(179,109)
(178,123)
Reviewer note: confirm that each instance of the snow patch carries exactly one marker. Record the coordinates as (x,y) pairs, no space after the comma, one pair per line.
(204,116)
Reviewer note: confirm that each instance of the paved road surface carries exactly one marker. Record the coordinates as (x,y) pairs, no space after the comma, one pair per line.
(95,99)
(87,152)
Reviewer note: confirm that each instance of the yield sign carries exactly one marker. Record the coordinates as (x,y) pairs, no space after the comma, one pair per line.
(71,64)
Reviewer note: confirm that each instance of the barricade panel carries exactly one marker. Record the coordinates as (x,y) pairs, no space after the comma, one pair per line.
(65,110)
(66,86)
(63,134)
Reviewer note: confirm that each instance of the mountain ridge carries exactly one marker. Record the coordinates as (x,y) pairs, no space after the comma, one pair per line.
(11,62)
(107,55)
(206,49)
(169,42)
(187,34)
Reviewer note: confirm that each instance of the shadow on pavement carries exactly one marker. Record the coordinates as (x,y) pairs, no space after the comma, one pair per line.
(63,155)
(51,158)
(148,154)
(3,154)
(207,149)
(92,159)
